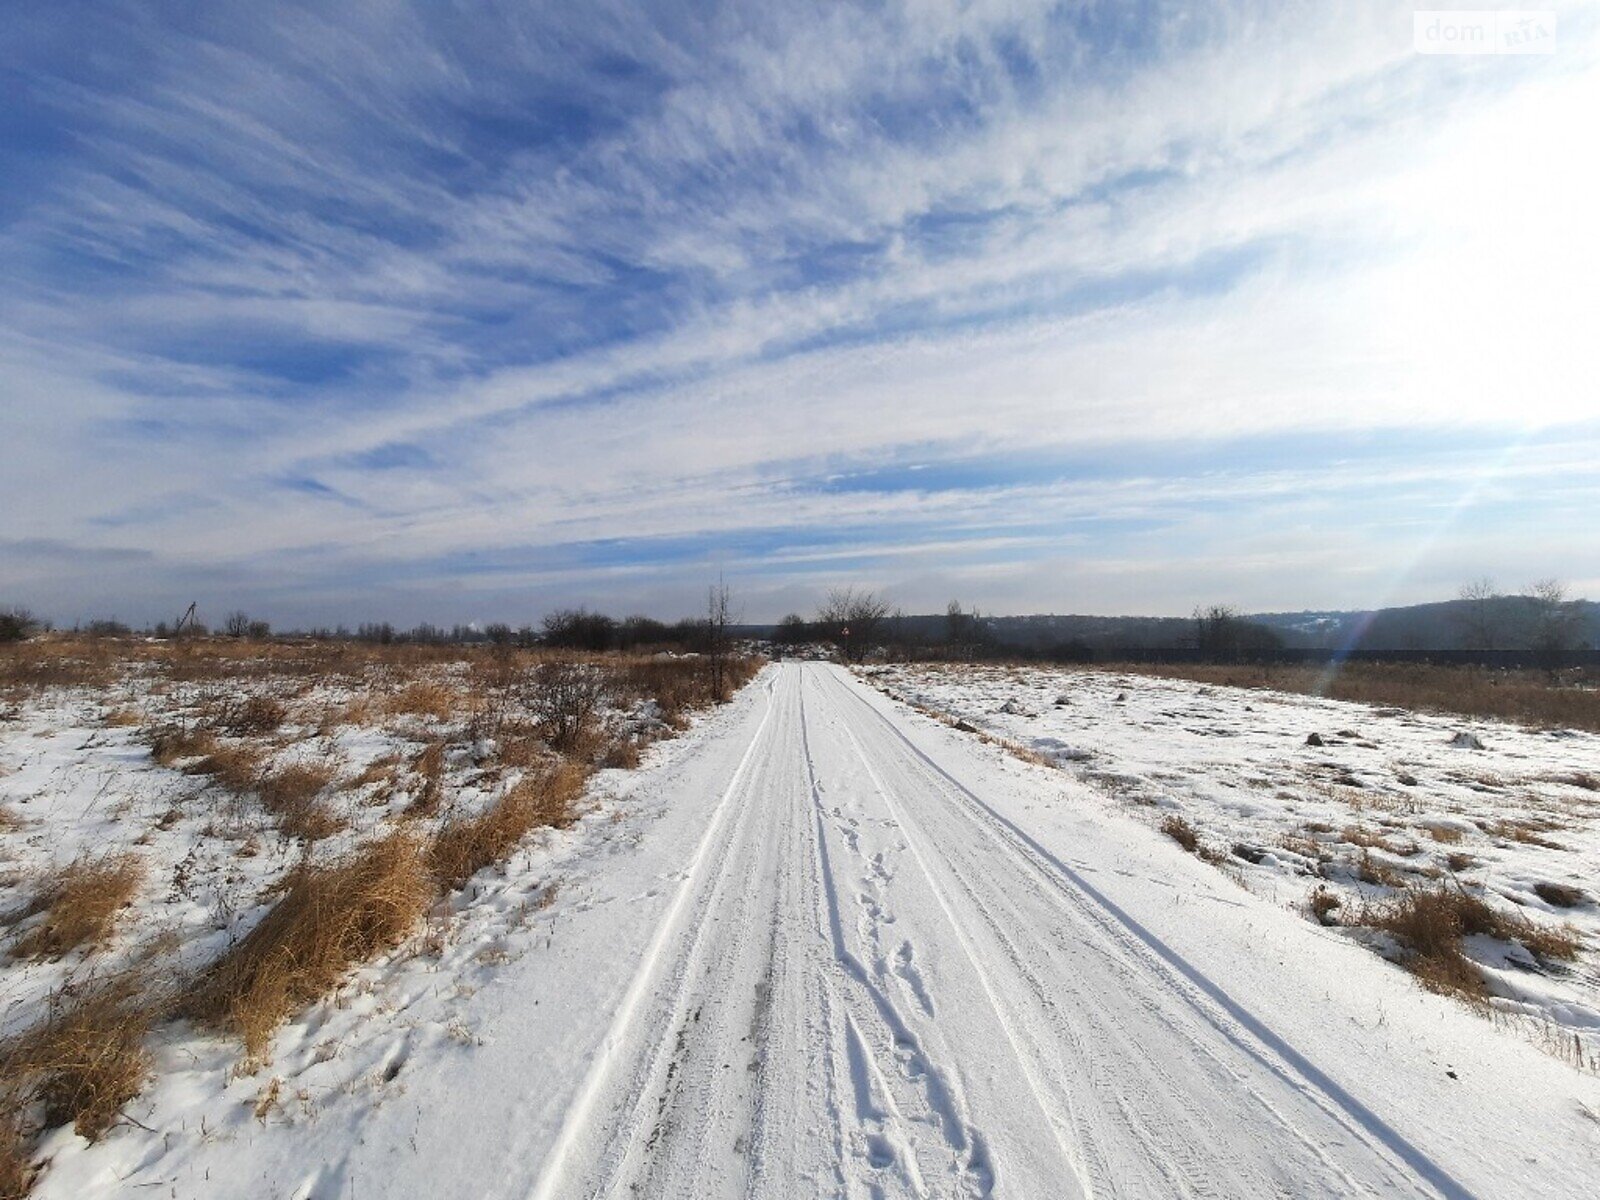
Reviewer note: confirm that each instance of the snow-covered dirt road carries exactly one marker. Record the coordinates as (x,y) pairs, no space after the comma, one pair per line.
(873,981)
(825,946)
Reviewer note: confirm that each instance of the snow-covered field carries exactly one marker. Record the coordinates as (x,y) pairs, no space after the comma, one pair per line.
(1293,795)
(213,790)
(821,944)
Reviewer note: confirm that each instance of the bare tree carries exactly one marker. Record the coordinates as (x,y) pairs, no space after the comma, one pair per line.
(1480,615)
(1555,628)
(1222,635)
(851,620)
(719,643)
(793,630)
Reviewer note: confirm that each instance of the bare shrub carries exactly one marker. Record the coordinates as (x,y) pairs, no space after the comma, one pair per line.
(540,798)
(329,919)
(567,697)
(17,624)
(80,905)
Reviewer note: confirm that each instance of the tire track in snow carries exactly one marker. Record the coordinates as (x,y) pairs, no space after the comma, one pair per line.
(710,861)
(964,1143)
(1226,1016)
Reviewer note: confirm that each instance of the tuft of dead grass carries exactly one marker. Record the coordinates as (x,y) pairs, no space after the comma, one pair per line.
(622,753)
(81,905)
(1323,904)
(1529,832)
(543,798)
(16,1163)
(172,744)
(329,919)
(248,716)
(82,1063)
(292,795)
(429,767)
(1561,895)
(422,699)
(1179,830)
(235,766)
(1429,925)
(1378,873)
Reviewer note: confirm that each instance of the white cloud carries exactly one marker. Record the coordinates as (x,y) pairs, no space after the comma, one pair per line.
(1278,223)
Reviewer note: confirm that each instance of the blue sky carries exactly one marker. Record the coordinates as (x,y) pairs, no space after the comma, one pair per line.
(461,312)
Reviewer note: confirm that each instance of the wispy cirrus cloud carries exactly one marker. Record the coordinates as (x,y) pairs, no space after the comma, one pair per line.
(460,314)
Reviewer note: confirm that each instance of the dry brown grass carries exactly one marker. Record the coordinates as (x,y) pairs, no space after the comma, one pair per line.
(1378,873)
(1526,696)
(681,685)
(16,1163)
(83,1062)
(622,753)
(1026,754)
(329,919)
(81,905)
(1369,839)
(1323,904)
(540,798)
(172,744)
(9,821)
(1179,830)
(1429,924)
(429,768)
(1560,895)
(235,766)
(246,716)
(423,699)
(54,661)
(1528,831)
(291,794)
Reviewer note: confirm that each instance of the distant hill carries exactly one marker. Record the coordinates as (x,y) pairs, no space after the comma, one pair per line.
(1502,623)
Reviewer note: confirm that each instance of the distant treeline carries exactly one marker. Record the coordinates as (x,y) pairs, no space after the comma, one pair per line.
(568,629)
(1539,627)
